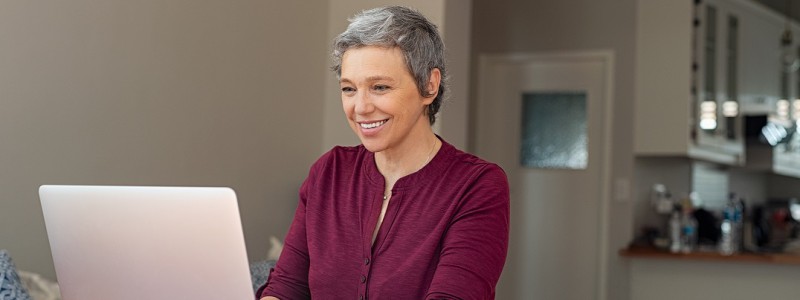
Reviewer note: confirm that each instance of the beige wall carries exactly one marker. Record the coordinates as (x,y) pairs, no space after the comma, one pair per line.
(221,93)
(454,116)
(503,26)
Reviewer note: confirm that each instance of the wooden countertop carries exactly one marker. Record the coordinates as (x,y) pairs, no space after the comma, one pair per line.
(772,258)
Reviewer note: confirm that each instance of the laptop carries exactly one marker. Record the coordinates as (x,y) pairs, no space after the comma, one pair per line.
(126,242)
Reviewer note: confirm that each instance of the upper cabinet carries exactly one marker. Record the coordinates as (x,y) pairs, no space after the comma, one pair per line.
(691,80)
(701,66)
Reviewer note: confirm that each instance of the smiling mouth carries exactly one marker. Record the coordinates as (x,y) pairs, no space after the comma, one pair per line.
(372,125)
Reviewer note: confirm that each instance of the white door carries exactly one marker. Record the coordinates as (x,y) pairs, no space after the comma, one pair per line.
(558,209)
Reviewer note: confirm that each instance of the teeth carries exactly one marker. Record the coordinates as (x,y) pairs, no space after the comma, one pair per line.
(372,125)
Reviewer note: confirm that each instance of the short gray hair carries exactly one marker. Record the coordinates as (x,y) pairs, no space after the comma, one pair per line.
(407,29)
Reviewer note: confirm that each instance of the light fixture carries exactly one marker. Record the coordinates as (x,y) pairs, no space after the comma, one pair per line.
(708,115)
(782,109)
(773,133)
(796,111)
(730,109)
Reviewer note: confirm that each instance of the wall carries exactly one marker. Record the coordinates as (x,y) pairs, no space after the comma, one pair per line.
(550,26)
(782,186)
(454,115)
(672,172)
(158,93)
(678,175)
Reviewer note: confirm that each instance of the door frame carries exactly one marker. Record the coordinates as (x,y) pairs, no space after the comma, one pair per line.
(606,58)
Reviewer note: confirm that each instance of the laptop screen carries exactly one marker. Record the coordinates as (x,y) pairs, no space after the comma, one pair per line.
(125,242)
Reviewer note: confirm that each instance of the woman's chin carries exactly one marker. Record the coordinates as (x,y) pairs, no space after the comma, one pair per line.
(372,148)
(372,145)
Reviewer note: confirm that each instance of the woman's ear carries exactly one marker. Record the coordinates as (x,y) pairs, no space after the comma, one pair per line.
(433,85)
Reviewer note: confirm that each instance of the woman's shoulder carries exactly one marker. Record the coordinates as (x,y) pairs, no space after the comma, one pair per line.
(462,168)
(343,153)
(468,161)
(339,156)
(483,183)
(347,150)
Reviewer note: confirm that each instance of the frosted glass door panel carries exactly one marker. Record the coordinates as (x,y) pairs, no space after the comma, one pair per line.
(554,130)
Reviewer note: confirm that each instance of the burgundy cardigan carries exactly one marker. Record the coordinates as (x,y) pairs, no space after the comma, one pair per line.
(444,235)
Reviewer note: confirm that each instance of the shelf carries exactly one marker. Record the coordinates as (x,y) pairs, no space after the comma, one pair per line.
(782,259)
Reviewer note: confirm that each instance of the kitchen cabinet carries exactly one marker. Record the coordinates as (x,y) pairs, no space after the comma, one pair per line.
(657,276)
(699,65)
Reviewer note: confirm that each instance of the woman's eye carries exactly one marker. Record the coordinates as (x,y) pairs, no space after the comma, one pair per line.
(348,89)
(381,88)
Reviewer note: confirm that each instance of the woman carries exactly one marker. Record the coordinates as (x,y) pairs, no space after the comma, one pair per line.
(404,215)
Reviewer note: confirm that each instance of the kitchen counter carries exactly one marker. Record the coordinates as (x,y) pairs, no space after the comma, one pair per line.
(660,275)
(773,258)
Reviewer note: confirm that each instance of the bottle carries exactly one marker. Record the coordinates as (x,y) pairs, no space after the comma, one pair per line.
(726,237)
(688,231)
(739,220)
(727,241)
(675,231)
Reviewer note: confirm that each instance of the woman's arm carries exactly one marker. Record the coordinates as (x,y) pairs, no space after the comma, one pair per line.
(289,278)
(474,247)
(269,298)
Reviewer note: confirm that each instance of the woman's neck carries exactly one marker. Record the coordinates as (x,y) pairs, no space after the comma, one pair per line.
(396,163)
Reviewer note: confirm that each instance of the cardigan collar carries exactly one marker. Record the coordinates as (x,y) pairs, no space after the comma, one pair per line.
(430,171)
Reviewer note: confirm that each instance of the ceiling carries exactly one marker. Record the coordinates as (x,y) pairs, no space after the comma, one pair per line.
(781,5)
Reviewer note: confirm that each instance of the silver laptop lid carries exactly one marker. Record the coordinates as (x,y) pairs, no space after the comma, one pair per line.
(117,242)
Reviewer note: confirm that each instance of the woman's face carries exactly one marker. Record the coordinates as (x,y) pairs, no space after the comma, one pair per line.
(381,100)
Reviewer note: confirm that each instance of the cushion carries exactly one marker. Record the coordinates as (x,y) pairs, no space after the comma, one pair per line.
(39,287)
(259,272)
(10,286)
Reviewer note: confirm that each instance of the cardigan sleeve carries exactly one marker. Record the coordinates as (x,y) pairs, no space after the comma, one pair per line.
(475,245)
(289,279)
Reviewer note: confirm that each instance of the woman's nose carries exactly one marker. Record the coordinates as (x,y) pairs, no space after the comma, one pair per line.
(363,103)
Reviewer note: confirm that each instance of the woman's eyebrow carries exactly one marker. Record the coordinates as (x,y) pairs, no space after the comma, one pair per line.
(369,79)
(379,78)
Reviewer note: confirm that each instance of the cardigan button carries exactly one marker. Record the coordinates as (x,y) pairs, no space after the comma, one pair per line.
(366,261)
(363,279)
